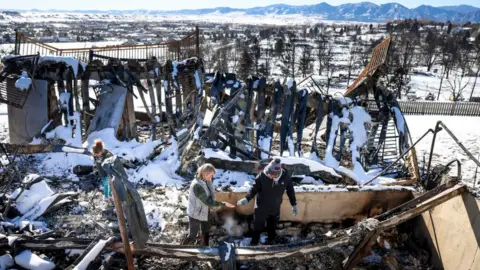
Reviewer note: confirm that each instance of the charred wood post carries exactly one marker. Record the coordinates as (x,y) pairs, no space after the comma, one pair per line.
(123,228)
(85,100)
(158,92)
(154,107)
(69,79)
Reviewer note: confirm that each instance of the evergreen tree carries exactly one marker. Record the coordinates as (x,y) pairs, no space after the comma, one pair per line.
(246,63)
(279,47)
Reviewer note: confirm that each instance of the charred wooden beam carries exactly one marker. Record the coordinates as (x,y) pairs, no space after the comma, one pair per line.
(424,206)
(259,253)
(44,148)
(361,250)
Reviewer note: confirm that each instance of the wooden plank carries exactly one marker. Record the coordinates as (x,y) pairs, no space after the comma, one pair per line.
(361,250)
(422,207)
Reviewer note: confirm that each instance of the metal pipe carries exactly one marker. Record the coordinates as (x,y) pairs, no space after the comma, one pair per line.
(400,157)
(437,129)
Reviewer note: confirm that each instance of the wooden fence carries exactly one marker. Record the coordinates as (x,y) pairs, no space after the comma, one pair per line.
(170,50)
(440,108)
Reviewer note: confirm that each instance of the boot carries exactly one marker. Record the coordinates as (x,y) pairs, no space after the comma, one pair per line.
(204,239)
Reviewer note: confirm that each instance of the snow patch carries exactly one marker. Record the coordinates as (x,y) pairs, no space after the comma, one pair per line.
(128,150)
(6,261)
(91,255)
(29,260)
(24,82)
(211,153)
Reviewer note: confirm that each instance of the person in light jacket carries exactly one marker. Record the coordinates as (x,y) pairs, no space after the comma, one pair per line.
(269,187)
(100,154)
(200,200)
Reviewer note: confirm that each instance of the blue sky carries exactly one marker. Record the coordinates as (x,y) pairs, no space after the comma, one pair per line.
(196,4)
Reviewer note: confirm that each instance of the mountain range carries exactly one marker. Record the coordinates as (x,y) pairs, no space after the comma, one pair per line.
(365,11)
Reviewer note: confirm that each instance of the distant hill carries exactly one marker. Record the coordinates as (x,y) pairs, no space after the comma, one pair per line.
(365,11)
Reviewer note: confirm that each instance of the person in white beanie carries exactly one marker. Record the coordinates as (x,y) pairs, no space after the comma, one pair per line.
(269,187)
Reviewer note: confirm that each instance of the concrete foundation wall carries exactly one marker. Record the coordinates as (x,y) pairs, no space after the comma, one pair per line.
(25,123)
(329,206)
(452,233)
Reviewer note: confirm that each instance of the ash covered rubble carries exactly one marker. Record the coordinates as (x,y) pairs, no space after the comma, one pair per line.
(192,119)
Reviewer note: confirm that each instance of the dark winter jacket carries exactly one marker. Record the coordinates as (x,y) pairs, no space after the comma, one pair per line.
(99,160)
(270,194)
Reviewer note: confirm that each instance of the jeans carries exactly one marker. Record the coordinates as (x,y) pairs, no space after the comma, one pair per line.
(107,191)
(194,226)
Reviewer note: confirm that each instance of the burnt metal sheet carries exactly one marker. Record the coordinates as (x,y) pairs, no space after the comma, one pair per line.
(109,111)
(10,95)
(378,58)
(25,123)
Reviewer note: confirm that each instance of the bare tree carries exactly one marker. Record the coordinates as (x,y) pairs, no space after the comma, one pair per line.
(429,48)
(306,61)
(321,49)
(207,53)
(457,86)
(328,64)
(352,58)
(476,45)
(449,57)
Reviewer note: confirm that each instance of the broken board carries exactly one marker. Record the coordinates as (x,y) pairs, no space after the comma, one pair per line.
(109,111)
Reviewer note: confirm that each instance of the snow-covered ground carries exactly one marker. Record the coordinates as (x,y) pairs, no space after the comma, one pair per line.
(466,129)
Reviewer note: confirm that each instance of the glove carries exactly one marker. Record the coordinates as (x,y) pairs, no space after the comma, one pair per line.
(294,209)
(242,202)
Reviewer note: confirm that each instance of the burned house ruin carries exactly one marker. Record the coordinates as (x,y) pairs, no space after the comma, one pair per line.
(361,163)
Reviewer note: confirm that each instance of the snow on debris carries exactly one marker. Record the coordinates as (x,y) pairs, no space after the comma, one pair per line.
(264,143)
(343,100)
(129,150)
(330,160)
(290,83)
(217,153)
(163,209)
(24,82)
(161,171)
(359,133)
(64,99)
(61,164)
(74,63)
(65,133)
(313,165)
(29,260)
(91,255)
(6,261)
(31,196)
(240,181)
